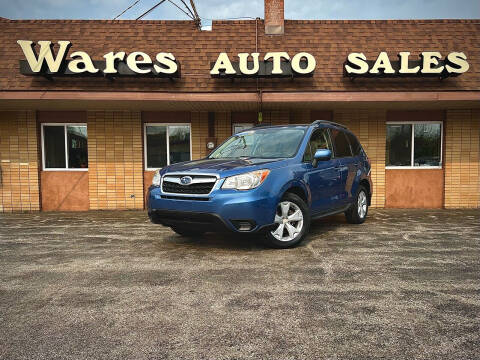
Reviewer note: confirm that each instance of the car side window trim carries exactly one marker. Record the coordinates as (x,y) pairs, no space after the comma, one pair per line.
(309,151)
(351,136)
(331,142)
(350,144)
(308,148)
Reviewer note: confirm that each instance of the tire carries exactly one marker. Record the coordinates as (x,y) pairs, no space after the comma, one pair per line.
(358,211)
(187,232)
(297,228)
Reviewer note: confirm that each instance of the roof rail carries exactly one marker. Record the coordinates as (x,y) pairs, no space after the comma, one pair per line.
(329,123)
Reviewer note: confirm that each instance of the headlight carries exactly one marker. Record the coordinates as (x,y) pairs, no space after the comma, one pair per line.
(246,181)
(156,178)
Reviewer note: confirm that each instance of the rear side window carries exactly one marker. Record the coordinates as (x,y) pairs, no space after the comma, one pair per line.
(340,141)
(319,140)
(355,145)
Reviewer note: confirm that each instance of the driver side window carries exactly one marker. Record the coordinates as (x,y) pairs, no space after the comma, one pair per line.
(320,139)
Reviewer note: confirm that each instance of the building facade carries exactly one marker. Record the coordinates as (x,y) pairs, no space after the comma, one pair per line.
(77,134)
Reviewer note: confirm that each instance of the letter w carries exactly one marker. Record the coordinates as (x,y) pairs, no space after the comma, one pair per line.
(45,55)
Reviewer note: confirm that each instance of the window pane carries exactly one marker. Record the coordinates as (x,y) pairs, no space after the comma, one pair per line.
(399,145)
(342,147)
(179,138)
(354,144)
(156,146)
(427,139)
(54,146)
(77,147)
(319,140)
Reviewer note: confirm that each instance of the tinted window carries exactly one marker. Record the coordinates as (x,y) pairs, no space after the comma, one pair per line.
(427,138)
(342,147)
(179,143)
(266,143)
(70,152)
(355,145)
(167,144)
(319,140)
(54,146)
(156,146)
(399,145)
(77,147)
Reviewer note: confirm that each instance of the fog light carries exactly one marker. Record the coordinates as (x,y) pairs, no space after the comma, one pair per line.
(243,225)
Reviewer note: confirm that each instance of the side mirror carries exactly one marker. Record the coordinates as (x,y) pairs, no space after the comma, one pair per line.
(321,155)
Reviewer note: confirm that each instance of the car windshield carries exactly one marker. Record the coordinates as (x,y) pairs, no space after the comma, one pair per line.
(268,143)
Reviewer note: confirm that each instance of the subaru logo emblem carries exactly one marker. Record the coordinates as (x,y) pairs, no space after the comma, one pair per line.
(186,180)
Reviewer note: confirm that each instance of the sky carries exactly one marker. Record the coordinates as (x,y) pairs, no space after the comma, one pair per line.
(227,9)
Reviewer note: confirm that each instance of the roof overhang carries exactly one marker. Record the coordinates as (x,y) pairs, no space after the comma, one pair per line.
(239,101)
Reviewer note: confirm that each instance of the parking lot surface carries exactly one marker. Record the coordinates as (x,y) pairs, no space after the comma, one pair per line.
(111,285)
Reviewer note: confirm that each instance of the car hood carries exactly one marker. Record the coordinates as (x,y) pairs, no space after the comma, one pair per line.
(223,167)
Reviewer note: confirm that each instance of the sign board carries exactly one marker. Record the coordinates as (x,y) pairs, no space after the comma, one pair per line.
(429,64)
(274,64)
(47,63)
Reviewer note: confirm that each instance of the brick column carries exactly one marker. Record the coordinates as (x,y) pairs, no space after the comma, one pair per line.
(461,158)
(19,186)
(115,160)
(223,126)
(199,128)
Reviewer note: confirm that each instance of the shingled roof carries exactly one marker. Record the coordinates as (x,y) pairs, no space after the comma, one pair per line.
(329,41)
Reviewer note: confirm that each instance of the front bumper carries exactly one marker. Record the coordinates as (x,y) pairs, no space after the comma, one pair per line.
(225,210)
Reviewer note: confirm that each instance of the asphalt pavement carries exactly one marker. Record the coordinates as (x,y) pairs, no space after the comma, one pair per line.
(111,285)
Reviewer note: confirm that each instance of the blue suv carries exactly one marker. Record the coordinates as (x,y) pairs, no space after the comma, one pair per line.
(268,180)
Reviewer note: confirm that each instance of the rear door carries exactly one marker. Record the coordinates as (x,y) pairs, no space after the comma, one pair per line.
(347,165)
(324,178)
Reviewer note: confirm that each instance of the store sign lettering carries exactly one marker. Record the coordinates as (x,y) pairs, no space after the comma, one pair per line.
(429,64)
(274,64)
(50,63)
(137,63)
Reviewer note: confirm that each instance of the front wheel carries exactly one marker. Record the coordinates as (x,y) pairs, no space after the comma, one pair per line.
(357,213)
(292,221)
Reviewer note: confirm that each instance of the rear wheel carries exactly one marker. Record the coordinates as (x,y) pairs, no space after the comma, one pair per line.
(187,232)
(292,221)
(357,213)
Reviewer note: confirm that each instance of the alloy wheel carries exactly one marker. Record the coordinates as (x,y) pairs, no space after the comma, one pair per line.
(289,218)
(362,204)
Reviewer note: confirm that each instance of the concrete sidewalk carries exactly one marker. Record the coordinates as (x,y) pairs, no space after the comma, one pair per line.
(111,285)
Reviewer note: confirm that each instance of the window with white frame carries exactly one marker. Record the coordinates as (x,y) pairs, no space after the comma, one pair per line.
(64,147)
(414,144)
(166,144)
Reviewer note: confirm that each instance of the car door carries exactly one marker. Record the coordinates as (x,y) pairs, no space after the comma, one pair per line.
(322,179)
(347,165)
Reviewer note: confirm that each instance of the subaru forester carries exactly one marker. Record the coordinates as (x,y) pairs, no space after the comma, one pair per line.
(267,180)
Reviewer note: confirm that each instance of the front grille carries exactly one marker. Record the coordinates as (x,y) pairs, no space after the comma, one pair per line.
(187,219)
(201,185)
(189,198)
